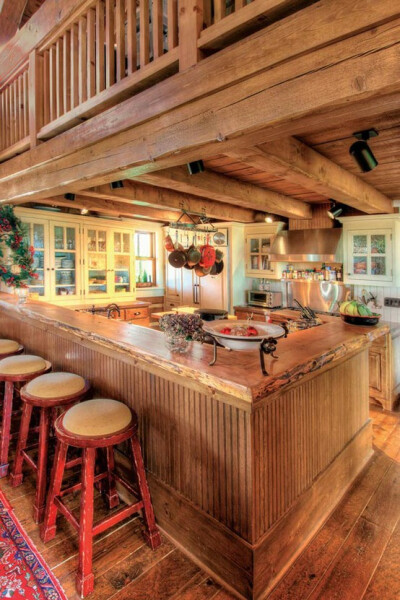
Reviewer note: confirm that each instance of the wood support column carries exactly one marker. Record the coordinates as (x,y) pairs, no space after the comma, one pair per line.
(190,25)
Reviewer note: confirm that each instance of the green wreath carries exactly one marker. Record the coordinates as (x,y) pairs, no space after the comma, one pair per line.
(16,270)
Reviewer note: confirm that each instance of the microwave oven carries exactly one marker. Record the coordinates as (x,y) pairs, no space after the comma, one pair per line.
(264,298)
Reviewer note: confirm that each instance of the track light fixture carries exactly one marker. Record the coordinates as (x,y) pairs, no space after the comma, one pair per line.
(114,185)
(197,166)
(69,196)
(84,211)
(361,152)
(335,211)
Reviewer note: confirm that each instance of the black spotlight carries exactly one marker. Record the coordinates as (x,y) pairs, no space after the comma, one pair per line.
(69,196)
(335,211)
(114,185)
(361,152)
(197,166)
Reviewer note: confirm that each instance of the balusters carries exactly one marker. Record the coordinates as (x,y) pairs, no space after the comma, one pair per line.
(91,53)
(67,70)
(59,78)
(131,35)
(74,34)
(120,38)
(144,33)
(82,51)
(53,79)
(157,22)
(100,67)
(110,37)
(219,10)
(172,20)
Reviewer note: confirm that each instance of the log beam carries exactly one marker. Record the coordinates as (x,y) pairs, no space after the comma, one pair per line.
(160,198)
(225,189)
(11,12)
(296,162)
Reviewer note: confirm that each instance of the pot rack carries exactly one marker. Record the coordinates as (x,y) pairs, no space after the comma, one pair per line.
(202,224)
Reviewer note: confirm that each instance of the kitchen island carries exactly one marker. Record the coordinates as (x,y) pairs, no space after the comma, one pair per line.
(243,468)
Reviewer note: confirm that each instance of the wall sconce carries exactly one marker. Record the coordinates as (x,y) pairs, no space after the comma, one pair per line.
(361,152)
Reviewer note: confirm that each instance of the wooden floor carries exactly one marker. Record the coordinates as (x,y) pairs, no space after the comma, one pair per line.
(355,555)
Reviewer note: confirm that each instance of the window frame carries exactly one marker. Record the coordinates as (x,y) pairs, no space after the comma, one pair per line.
(152,258)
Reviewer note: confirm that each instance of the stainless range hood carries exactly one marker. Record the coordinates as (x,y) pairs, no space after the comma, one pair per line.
(307,245)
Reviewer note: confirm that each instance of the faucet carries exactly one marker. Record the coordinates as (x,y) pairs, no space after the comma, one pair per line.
(111,309)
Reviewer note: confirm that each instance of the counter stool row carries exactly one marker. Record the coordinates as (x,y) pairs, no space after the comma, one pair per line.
(94,426)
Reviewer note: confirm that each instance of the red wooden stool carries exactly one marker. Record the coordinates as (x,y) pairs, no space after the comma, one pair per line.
(100,423)
(10,348)
(48,393)
(15,369)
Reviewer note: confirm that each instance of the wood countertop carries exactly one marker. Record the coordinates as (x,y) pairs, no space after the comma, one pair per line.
(236,376)
(121,304)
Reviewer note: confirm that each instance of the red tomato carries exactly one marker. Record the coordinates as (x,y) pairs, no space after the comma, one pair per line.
(252,331)
(226,331)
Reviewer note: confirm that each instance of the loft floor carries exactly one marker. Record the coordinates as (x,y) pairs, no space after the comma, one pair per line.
(354,556)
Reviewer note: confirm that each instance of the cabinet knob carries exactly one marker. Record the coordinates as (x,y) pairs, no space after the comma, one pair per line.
(136,313)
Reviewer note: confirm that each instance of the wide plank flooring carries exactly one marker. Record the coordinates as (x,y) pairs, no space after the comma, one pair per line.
(354,556)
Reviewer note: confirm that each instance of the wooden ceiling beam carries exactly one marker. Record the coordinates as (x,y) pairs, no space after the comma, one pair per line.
(161,198)
(188,95)
(225,189)
(11,12)
(113,208)
(296,162)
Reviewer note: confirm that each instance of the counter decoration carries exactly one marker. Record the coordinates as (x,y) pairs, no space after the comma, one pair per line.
(16,255)
(358,313)
(179,330)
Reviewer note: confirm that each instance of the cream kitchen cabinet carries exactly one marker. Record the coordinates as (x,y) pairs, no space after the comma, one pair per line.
(258,240)
(369,245)
(80,259)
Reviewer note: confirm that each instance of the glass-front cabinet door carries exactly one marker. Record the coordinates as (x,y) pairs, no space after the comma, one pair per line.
(370,255)
(258,251)
(37,237)
(65,270)
(98,267)
(123,264)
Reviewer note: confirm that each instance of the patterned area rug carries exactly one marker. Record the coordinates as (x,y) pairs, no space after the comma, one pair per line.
(23,572)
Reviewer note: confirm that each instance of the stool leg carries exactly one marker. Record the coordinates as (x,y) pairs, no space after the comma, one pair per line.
(85,577)
(39,504)
(5,427)
(152,534)
(112,494)
(48,529)
(17,475)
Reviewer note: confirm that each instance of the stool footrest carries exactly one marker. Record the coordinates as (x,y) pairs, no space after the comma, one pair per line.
(126,485)
(74,462)
(29,460)
(66,512)
(115,518)
(77,486)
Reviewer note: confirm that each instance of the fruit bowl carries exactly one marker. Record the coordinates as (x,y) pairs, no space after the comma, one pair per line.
(358,320)
(234,342)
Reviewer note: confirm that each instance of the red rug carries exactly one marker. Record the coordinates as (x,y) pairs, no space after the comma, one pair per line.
(24,575)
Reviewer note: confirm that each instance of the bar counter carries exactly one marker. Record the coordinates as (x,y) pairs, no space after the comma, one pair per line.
(243,468)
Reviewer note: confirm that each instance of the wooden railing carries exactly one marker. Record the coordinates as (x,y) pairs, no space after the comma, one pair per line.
(14,114)
(103,52)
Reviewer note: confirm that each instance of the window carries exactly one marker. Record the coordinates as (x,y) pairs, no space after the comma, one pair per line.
(145,258)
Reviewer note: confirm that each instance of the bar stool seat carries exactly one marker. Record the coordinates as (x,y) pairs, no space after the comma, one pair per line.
(9,347)
(15,369)
(94,424)
(46,392)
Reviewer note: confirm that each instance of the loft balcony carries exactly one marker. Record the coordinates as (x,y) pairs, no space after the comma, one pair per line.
(62,68)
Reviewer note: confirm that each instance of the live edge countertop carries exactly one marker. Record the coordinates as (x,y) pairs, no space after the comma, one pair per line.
(236,377)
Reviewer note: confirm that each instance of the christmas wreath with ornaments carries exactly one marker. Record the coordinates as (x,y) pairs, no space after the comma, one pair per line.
(16,255)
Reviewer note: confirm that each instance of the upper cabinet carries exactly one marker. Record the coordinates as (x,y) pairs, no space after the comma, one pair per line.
(369,244)
(84,260)
(258,238)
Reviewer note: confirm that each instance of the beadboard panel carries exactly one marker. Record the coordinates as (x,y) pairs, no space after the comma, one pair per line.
(300,432)
(191,442)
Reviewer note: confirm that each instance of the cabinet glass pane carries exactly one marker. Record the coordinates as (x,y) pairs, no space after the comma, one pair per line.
(91,234)
(58,237)
(265,245)
(38,265)
(265,264)
(38,236)
(102,241)
(254,263)
(378,244)
(97,264)
(378,265)
(71,238)
(360,244)
(65,273)
(122,274)
(125,243)
(359,265)
(255,245)
(117,242)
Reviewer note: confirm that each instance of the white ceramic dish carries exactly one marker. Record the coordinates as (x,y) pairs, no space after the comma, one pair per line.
(234,342)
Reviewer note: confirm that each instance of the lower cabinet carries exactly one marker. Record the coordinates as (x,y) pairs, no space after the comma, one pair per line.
(383,374)
(242,315)
(137,316)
